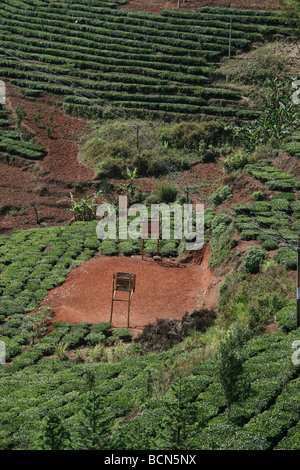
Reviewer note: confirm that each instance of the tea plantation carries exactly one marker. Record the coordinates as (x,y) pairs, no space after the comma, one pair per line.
(155,66)
(219,379)
(154,393)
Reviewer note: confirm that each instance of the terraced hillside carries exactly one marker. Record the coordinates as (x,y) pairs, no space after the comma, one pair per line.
(221,370)
(157,6)
(12,146)
(135,395)
(148,65)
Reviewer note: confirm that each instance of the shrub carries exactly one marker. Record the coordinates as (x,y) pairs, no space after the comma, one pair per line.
(166,192)
(122,334)
(169,248)
(128,248)
(150,247)
(189,135)
(288,196)
(269,245)
(287,258)
(237,161)
(76,337)
(109,168)
(280,204)
(220,219)
(279,185)
(208,217)
(253,258)
(258,195)
(99,332)
(95,338)
(109,248)
(221,244)
(286,317)
(13,346)
(26,359)
(165,333)
(249,235)
(198,320)
(261,206)
(242,209)
(220,195)
(102,327)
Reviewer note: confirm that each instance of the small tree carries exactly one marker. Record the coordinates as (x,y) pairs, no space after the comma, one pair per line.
(39,322)
(94,427)
(230,368)
(179,423)
(129,187)
(20,116)
(84,209)
(55,436)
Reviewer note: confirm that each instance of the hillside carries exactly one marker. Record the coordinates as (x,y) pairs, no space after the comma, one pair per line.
(153,102)
(157,6)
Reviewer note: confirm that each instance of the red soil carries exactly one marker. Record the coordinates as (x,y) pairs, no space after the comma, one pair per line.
(161,292)
(46,183)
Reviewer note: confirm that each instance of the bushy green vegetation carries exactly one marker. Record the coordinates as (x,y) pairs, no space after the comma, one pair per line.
(36,260)
(279,120)
(212,380)
(163,148)
(274,220)
(141,383)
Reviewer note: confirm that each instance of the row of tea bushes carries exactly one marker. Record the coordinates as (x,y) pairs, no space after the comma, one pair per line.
(179,53)
(272,397)
(11,144)
(34,261)
(273,221)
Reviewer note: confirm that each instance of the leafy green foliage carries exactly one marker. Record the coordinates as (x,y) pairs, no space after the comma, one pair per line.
(55,436)
(93,428)
(221,243)
(220,195)
(286,317)
(166,192)
(279,120)
(84,209)
(230,366)
(237,161)
(253,259)
(254,299)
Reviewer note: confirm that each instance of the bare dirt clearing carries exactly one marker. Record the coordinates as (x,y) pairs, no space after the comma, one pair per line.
(161,292)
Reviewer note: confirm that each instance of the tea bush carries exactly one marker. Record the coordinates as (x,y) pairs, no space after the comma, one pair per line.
(286,317)
(253,259)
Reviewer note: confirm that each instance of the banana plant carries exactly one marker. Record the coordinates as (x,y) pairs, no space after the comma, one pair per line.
(84,209)
(129,187)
